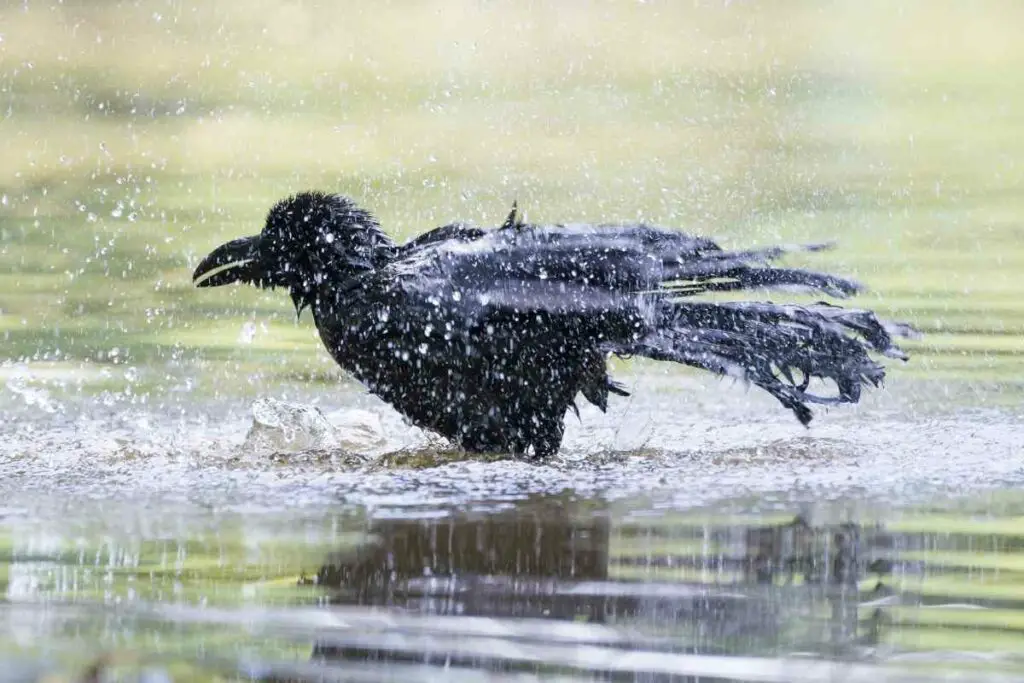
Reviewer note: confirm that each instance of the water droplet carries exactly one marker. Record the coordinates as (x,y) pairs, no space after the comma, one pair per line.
(248,333)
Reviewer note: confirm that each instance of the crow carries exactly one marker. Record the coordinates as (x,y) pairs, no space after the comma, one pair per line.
(487,335)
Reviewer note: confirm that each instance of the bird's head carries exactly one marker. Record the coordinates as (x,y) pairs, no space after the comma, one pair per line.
(309,239)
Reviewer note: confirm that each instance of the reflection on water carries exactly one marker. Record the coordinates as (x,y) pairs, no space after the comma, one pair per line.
(551,586)
(717,589)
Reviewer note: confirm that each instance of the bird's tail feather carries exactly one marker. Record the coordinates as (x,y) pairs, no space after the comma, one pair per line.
(720,271)
(780,348)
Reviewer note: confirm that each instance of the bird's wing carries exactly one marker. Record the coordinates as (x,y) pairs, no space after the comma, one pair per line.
(589,268)
(451,233)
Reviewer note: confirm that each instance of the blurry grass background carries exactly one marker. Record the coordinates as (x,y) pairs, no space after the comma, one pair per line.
(138,135)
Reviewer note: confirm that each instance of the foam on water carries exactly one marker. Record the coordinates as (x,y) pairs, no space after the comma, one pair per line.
(686,440)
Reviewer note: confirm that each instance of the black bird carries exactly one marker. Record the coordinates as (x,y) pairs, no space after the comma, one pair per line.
(487,335)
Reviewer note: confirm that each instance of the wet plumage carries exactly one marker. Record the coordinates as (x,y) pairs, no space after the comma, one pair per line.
(489,335)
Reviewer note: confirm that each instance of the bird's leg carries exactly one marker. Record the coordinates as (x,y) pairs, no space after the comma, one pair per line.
(548,439)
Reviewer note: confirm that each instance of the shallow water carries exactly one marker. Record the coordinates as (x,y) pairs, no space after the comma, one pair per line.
(556,586)
(680,435)
(694,530)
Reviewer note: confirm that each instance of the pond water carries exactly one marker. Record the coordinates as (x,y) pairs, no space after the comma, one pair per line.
(690,534)
(191,490)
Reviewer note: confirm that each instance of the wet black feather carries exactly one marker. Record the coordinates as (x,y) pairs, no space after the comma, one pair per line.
(488,335)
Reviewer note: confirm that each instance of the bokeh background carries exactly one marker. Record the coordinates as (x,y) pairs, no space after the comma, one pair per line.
(138,135)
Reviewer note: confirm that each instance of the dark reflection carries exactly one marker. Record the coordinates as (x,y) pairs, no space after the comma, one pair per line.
(580,589)
(484,564)
(676,586)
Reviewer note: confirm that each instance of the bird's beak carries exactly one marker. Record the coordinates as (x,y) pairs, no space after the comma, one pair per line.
(235,261)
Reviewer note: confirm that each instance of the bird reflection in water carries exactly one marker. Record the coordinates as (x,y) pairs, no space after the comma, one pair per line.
(697,589)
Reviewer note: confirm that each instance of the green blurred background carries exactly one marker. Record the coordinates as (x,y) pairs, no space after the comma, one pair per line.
(138,135)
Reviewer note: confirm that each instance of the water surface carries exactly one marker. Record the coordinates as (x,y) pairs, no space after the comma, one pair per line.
(692,531)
